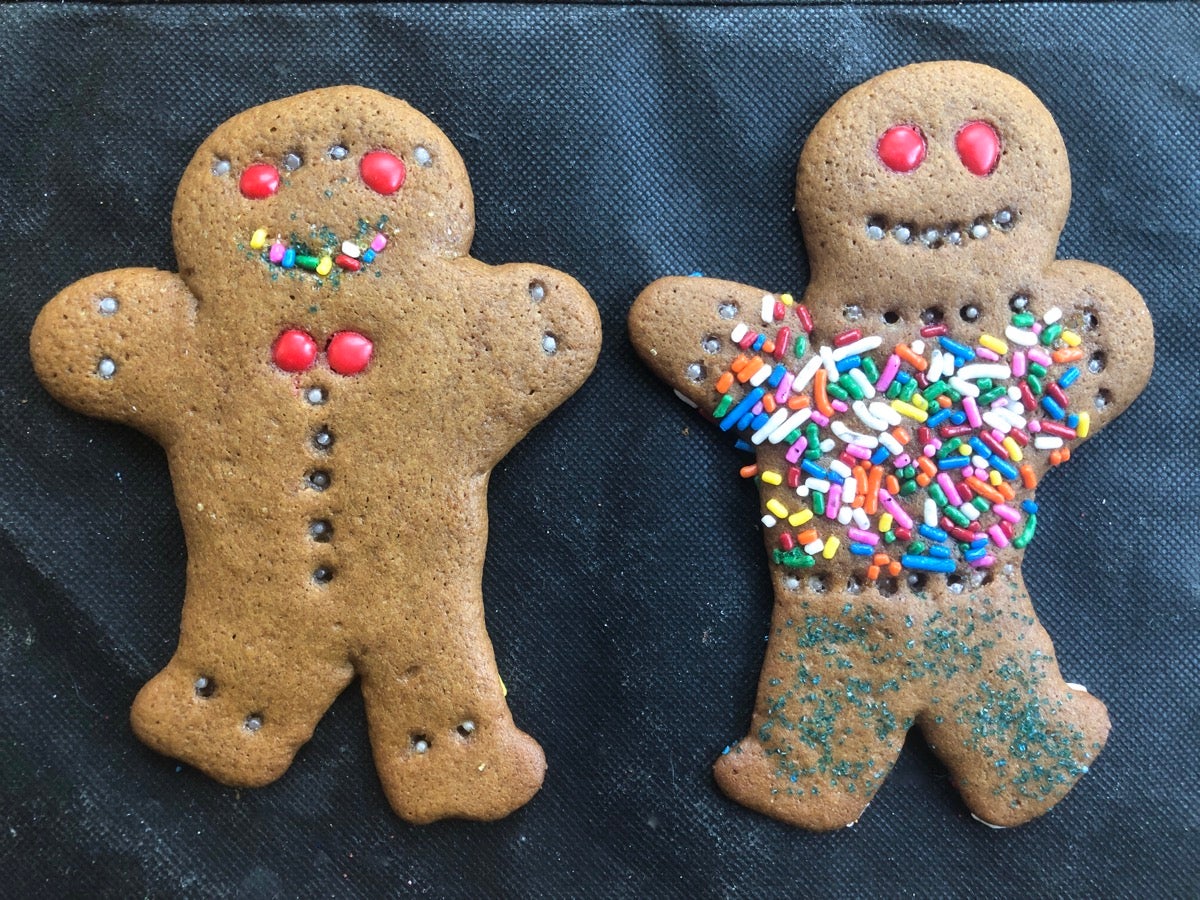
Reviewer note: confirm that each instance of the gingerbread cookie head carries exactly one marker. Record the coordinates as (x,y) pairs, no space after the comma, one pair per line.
(276,207)
(930,170)
(332,378)
(899,416)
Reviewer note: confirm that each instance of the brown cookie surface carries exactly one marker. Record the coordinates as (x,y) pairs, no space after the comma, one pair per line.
(901,414)
(333,379)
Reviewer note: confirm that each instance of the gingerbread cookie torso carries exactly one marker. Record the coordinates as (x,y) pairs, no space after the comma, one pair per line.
(333,378)
(901,414)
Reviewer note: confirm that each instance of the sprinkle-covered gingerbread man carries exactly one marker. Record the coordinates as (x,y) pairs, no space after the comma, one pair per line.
(333,378)
(901,414)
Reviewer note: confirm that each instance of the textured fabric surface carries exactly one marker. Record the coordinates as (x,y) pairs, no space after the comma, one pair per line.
(626,590)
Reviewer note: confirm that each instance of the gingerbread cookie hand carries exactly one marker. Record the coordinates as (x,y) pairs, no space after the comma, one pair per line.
(331,462)
(941,361)
(117,344)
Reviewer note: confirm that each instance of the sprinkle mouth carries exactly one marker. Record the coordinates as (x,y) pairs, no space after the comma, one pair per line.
(348,256)
(935,236)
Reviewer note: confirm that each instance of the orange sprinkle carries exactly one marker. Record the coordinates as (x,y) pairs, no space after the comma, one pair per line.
(740,363)
(768,347)
(819,395)
(797,401)
(1006,489)
(725,382)
(1066,453)
(749,369)
(917,362)
(927,466)
(871,501)
(768,402)
(1067,354)
(923,479)
(1028,479)
(881,559)
(985,490)
(944,402)
(748,471)
(901,434)
(893,484)
(894,569)
(1055,457)
(872,572)
(807,536)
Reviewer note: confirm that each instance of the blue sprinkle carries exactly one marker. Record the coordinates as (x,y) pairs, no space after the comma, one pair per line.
(742,409)
(858,548)
(813,469)
(695,274)
(980,447)
(958,417)
(939,417)
(1067,378)
(979,543)
(940,552)
(1073,421)
(744,421)
(1052,407)
(368,255)
(1030,506)
(836,477)
(880,455)
(758,342)
(849,362)
(973,555)
(933,533)
(776,376)
(951,462)
(903,377)
(959,351)
(759,421)
(927,563)
(1004,467)
(745,447)
(289,258)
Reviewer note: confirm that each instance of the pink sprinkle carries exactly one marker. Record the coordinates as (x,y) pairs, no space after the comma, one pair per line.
(839,405)
(889,373)
(379,242)
(971,408)
(276,253)
(1006,512)
(833,501)
(984,562)
(1035,426)
(902,460)
(947,485)
(796,450)
(1039,356)
(998,436)
(929,450)
(820,419)
(985,353)
(866,537)
(897,511)
(785,387)
(757,409)
(1018,364)
(997,534)
(1037,328)
(858,452)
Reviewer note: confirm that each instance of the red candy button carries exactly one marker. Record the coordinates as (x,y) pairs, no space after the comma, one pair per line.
(349,352)
(294,351)
(978,147)
(259,181)
(382,172)
(901,148)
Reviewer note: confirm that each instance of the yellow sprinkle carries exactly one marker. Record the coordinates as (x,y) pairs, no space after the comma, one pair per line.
(786,299)
(831,547)
(885,522)
(777,509)
(325,266)
(772,477)
(994,478)
(1013,448)
(965,450)
(797,519)
(920,402)
(907,409)
(1070,338)
(1084,425)
(258,240)
(503,686)
(993,343)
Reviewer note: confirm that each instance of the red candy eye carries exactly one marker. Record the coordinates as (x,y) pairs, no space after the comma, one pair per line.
(294,351)
(349,352)
(901,148)
(978,147)
(382,172)
(259,181)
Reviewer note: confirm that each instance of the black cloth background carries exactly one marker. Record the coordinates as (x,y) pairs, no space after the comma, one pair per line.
(625,586)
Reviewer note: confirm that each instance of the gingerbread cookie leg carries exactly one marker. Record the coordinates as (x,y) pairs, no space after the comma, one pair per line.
(444,740)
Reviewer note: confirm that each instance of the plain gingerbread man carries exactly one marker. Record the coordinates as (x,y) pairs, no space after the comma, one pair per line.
(901,414)
(333,379)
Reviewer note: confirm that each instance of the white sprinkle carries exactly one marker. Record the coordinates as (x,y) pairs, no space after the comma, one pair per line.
(421,746)
(841,468)
(963,387)
(844,514)
(768,308)
(969,511)
(802,490)
(871,421)
(893,446)
(763,373)
(918,347)
(948,364)
(827,445)
(812,548)
(934,374)
(769,521)
(864,384)
(884,411)
(797,419)
(1075,686)
(931,512)
(351,249)
(686,400)
(1000,423)
(853,437)
(1047,442)
(830,365)
(739,331)
(1014,393)
(862,345)
(984,370)
(1053,314)
(850,488)
(980,463)
(820,485)
(861,519)
(802,380)
(777,418)
(1020,336)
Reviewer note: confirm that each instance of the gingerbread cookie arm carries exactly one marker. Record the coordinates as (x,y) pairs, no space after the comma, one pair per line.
(682,328)
(110,345)
(539,330)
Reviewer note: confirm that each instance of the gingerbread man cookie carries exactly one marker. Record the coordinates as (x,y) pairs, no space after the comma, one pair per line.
(901,414)
(333,378)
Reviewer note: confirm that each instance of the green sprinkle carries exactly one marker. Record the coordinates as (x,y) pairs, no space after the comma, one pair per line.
(981,504)
(994,394)
(949,447)
(851,387)
(935,390)
(956,516)
(308,262)
(938,495)
(818,503)
(1037,369)
(1022,540)
(916,547)
(1035,384)
(889,536)
(906,392)
(794,559)
(984,384)
(1023,320)
(907,472)
(907,488)
(1050,334)
(836,390)
(893,390)
(723,406)
(793,437)
(870,369)
(800,346)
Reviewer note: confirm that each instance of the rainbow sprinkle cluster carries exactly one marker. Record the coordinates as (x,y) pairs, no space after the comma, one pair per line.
(940,426)
(351,258)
